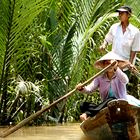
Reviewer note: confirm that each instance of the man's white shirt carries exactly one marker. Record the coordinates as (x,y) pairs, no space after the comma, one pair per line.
(124,43)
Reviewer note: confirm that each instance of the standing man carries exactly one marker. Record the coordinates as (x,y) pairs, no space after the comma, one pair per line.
(125,40)
(123,36)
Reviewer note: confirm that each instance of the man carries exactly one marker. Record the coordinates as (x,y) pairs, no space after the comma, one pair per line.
(125,40)
(123,36)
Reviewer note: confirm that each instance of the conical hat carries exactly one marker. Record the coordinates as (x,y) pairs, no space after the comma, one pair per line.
(109,56)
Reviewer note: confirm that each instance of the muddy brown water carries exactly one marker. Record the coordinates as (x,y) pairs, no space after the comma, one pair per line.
(59,132)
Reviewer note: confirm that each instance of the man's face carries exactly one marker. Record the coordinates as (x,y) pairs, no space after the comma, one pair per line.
(124,16)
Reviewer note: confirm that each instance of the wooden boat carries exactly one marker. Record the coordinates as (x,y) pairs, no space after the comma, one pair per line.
(118,121)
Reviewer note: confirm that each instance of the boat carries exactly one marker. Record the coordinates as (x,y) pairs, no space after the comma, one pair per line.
(118,121)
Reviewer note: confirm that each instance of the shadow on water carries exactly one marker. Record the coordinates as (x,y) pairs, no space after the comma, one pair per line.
(60,132)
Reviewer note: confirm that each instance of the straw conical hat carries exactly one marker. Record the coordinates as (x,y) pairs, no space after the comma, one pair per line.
(109,56)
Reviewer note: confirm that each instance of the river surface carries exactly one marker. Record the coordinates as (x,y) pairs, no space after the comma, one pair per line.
(60,132)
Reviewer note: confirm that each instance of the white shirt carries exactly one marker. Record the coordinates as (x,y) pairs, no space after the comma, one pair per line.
(124,43)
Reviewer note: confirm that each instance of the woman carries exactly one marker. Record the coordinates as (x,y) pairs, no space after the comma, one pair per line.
(111,85)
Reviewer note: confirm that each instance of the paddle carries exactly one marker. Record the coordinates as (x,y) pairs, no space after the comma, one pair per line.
(33,116)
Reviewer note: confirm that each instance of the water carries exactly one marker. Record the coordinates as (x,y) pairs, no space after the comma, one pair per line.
(61,132)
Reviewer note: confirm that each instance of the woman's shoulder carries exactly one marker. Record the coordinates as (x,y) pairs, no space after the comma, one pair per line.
(102,76)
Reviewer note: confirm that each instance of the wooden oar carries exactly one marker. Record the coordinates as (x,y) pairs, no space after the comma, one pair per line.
(33,116)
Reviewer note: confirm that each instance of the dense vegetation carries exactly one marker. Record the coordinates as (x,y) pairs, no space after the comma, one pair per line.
(46,48)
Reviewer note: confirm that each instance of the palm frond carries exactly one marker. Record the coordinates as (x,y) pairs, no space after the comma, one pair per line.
(17,16)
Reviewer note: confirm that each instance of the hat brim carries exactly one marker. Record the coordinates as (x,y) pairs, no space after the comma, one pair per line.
(110,56)
(122,10)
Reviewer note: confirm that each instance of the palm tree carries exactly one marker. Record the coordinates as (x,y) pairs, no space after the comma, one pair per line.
(17,20)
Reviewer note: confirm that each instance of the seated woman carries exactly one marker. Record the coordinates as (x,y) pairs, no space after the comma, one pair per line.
(111,85)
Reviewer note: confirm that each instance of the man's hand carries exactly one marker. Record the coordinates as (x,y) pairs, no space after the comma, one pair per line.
(132,68)
(127,64)
(103,46)
(123,64)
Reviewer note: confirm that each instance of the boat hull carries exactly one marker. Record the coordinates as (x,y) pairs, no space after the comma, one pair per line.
(118,121)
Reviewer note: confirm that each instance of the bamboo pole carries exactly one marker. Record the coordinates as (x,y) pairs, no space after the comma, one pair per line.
(35,115)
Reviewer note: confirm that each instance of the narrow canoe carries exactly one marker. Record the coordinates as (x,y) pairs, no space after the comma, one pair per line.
(118,121)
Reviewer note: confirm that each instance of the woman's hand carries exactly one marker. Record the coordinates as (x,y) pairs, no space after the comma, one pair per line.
(114,67)
(79,87)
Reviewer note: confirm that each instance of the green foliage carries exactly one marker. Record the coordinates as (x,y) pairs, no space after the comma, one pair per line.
(135,6)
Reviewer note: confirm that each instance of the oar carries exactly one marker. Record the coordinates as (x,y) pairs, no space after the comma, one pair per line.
(33,116)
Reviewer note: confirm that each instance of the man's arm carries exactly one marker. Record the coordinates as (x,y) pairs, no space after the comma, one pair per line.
(132,56)
(108,39)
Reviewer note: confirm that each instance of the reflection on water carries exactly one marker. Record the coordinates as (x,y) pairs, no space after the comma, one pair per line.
(63,132)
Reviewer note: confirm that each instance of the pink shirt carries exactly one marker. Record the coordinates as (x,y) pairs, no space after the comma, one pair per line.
(118,85)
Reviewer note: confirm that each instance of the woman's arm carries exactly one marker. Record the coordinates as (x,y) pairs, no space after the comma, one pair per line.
(89,88)
(121,76)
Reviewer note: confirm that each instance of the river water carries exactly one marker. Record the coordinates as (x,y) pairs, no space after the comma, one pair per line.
(59,132)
